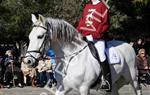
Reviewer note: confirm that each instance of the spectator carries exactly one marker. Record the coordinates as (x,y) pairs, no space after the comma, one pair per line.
(1,69)
(50,65)
(51,55)
(41,72)
(12,69)
(29,72)
(142,61)
(138,45)
(143,66)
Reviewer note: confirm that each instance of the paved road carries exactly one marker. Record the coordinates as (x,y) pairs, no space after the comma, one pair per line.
(126,90)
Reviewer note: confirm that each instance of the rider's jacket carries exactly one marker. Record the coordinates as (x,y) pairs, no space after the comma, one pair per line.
(94,20)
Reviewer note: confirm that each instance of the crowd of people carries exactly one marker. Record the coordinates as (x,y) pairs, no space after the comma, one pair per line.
(141,50)
(14,72)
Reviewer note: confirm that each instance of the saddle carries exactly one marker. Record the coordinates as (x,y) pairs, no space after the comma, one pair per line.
(93,51)
(113,56)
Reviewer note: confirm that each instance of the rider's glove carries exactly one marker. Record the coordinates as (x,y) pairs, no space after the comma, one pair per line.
(89,38)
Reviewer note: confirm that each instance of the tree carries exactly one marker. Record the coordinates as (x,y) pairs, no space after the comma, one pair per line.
(15,15)
(129,18)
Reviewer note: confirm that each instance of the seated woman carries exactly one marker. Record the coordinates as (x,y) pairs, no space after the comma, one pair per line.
(143,66)
(142,61)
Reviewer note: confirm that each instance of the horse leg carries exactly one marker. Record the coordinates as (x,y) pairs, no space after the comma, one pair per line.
(84,90)
(62,90)
(136,87)
(135,84)
(114,90)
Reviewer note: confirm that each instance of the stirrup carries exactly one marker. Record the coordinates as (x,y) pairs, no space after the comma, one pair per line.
(106,86)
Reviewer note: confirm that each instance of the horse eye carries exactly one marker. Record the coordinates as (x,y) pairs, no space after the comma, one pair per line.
(40,36)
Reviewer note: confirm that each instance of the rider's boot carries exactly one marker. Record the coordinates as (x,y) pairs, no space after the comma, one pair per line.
(106,78)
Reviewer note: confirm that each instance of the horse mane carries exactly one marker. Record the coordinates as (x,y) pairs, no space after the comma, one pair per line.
(62,30)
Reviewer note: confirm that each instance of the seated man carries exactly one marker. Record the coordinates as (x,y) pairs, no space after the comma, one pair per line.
(45,72)
(12,69)
(41,68)
(50,66)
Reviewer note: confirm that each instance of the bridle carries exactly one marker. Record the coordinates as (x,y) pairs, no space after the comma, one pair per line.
(43,44)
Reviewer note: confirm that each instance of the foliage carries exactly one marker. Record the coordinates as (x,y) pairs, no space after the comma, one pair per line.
(15,15)
(129,18)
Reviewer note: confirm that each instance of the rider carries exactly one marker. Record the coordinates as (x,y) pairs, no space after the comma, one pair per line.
(94,25)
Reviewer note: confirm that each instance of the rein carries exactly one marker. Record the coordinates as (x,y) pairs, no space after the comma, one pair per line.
(56,57)
(73,54)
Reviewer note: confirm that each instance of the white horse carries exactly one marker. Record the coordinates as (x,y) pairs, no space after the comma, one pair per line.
(80,68)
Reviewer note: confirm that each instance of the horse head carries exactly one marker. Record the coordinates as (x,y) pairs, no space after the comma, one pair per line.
(48,31)
(37,40)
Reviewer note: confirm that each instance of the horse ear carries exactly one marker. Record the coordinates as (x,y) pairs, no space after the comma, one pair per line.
(42,19)
(34,19)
